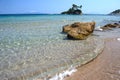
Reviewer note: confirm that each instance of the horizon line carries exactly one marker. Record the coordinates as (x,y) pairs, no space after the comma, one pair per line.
(46,14)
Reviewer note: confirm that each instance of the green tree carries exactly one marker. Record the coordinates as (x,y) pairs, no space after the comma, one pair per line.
(74,10)
(75,7)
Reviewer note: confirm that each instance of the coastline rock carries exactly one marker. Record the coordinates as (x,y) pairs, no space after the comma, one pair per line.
(79,30)
(110,26)
(66,28)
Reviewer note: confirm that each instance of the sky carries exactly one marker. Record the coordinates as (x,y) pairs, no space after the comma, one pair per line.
(57,6)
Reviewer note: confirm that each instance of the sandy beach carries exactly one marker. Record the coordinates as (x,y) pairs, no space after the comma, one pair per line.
(105,67)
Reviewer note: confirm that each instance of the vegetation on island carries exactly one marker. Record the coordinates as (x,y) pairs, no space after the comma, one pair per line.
(74,10)
(116,12)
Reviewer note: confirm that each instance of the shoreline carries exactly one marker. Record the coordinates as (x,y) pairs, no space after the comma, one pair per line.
(107,39)
(105,66)
(79,60)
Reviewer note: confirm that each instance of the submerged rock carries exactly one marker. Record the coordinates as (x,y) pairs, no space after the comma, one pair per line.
(79,30)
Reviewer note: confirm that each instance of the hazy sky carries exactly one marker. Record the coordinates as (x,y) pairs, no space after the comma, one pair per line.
(57,6)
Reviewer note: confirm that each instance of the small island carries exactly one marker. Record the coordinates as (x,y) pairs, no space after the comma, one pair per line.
(116,12)
(75,10)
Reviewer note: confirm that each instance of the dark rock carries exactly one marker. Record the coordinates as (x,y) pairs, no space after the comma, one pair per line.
(117,25)
(75,10)
(110,26)
(79,30)
(105,28)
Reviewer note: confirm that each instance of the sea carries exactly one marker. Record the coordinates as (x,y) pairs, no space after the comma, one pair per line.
(33,47)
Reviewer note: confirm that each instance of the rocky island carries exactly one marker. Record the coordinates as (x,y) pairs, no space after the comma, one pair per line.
(75,10)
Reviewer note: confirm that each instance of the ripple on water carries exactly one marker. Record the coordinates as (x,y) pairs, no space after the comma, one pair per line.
(41,61)
(34,49)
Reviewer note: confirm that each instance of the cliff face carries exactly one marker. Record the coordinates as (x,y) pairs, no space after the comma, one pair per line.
(116,12)
(75,10)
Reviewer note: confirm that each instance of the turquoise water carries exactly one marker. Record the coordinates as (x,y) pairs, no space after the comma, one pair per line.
(31,45)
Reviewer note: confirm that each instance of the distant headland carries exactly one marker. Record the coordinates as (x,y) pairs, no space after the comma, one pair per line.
(75,10)
(116,12)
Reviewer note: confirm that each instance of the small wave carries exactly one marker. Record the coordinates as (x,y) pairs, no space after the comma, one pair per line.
(118,39)
(62,75)
(98,28)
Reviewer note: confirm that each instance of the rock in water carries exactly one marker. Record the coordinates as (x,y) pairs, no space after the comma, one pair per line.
(110,26)
(79,30)
(66,28)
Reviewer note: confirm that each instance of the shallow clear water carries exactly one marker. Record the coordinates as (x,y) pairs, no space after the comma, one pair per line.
(33,46)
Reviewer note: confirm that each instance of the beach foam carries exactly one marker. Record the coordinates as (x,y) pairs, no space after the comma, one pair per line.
(62,75)
(98,28)
(118,39)
(32,46)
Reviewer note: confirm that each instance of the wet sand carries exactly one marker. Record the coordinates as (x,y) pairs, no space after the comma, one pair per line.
(105,67)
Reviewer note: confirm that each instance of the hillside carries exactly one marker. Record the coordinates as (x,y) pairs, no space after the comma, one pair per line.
(116,12)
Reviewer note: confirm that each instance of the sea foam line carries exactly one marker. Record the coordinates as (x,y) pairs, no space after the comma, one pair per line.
(118,39)
(62,75)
